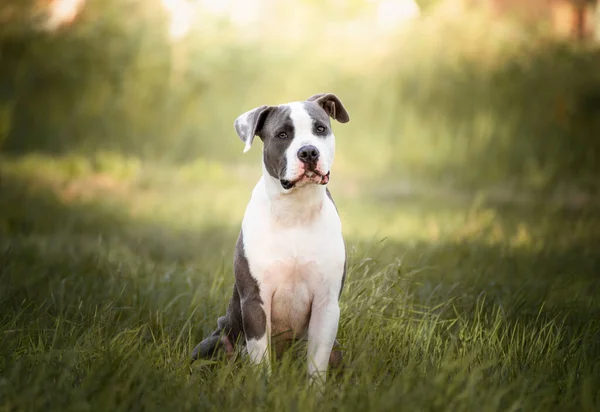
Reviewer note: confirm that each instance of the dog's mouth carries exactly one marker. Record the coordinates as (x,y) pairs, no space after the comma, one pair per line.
(307,177)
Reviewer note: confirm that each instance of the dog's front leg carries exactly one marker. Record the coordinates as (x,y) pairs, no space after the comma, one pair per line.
(322,331)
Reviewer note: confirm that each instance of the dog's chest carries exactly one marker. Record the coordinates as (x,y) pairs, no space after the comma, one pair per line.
(293,258)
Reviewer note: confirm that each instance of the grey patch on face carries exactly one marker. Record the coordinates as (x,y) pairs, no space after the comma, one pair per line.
(277,122)
(319,117)
(345,255)
(246,318)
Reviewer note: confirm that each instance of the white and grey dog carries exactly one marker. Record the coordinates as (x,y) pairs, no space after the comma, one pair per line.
(290,258)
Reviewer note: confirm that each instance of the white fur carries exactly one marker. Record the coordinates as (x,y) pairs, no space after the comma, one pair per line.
(249,137)
(243,119)
(294,246)
(303,136)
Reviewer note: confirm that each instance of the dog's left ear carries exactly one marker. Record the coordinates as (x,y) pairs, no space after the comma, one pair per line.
(250,124)
(332,105)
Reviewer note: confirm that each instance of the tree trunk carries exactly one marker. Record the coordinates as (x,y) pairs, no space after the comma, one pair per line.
(596,22)
(579,19)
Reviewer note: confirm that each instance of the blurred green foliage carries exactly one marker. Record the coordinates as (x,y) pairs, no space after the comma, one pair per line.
(460,100)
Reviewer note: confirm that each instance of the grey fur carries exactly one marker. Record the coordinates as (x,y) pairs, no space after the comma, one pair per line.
(254,318)
(248,318)
(277,121)
(320,118)
(332,106)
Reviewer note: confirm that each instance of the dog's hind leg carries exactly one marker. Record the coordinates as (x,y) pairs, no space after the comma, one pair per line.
(212,346)
(229,329)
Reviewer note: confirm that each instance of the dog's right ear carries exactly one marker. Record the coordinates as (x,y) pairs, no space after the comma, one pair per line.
(250,124)
(332,106)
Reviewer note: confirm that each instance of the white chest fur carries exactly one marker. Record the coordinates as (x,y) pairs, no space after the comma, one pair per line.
(295,251)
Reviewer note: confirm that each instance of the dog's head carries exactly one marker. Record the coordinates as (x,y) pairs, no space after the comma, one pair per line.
(298,141)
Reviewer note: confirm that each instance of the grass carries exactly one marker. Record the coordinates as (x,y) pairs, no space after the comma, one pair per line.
(451,303)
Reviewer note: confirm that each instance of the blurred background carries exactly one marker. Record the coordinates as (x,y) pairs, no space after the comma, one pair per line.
(468,185)
(496,94)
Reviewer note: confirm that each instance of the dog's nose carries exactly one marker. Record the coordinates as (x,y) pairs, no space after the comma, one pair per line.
(308,154)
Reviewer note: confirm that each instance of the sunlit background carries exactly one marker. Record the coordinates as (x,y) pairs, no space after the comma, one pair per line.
(491,92)
(468,184)
(496,92)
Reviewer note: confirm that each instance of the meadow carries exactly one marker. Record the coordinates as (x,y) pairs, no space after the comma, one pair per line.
(466,180)
(451,303)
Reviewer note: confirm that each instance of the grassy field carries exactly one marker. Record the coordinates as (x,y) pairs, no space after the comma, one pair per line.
(109,276)
(467,184)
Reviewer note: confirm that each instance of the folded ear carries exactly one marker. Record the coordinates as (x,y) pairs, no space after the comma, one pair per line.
(332,105)
(250,124)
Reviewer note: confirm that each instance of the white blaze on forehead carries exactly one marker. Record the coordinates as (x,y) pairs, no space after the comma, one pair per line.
(303,136)
(302,121)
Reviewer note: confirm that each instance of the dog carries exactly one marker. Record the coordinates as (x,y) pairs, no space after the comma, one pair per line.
(290,256)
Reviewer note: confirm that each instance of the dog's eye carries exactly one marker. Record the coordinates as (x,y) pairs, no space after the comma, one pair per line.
(282,135)
(320,129)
